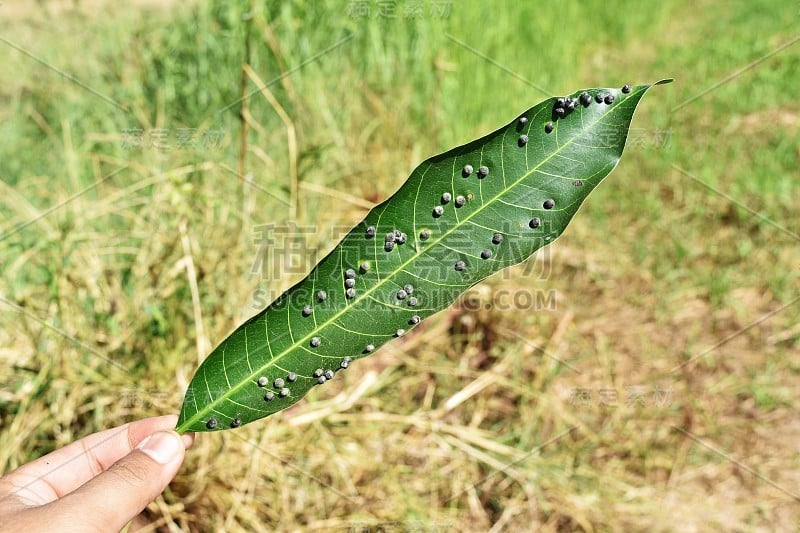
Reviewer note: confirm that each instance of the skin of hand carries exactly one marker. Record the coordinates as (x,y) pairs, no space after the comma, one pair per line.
(98,483)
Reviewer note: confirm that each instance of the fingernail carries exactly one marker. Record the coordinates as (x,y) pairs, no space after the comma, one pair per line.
(162,447)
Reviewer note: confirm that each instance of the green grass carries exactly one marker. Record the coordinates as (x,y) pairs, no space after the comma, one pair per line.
(655,270)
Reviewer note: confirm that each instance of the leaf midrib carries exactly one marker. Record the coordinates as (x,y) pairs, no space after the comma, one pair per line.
(419,253)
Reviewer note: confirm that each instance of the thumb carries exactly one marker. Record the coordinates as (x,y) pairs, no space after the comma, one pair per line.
(110,500)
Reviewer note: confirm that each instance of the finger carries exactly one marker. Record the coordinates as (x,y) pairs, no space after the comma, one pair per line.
(62,471)
(112,499)
(56,474)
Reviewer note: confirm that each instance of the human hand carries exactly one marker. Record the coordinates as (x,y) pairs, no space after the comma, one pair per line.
(98,483)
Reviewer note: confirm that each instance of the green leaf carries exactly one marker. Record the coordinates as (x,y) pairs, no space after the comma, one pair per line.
(525,201)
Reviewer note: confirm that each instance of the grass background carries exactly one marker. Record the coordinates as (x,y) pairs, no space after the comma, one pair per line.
(114,288)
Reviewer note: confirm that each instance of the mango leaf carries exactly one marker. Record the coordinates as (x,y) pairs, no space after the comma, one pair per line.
(461,216)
